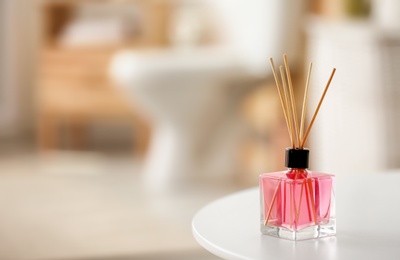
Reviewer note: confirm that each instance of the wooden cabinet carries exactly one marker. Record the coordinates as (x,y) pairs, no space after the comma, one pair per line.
(73,88)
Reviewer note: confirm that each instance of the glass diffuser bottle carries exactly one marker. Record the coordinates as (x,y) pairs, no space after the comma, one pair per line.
(297,204)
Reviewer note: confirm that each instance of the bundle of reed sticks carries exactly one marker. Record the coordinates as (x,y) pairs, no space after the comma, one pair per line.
(286,95)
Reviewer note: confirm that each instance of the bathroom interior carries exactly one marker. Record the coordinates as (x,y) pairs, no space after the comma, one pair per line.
(120,119)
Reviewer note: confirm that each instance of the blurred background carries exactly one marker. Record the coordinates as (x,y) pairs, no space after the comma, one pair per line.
(119,119)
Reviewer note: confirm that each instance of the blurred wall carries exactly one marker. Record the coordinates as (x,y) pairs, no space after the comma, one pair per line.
(20,41)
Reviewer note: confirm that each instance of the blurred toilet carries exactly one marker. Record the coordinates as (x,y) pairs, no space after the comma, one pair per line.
(187,92)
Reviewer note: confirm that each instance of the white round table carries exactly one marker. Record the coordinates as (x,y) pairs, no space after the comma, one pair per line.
(368,225)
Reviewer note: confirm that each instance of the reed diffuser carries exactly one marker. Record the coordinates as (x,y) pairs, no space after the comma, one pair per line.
(297,204)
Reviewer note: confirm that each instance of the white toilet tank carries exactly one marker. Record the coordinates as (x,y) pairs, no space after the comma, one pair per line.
(257,29)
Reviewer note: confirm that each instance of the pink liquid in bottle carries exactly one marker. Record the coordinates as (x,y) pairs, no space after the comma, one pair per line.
(297,204)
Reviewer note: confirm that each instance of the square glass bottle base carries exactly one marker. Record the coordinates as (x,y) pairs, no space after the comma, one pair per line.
(297,204)
(317,231)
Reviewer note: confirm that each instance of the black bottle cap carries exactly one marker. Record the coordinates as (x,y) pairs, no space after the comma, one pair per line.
(297,158)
